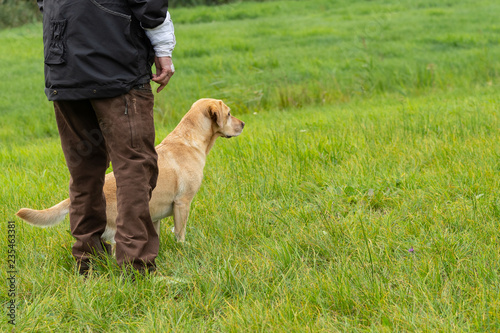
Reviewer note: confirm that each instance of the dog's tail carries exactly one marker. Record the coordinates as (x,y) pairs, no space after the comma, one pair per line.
(47,217)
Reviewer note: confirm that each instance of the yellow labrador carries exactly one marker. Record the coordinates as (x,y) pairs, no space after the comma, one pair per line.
(181,159)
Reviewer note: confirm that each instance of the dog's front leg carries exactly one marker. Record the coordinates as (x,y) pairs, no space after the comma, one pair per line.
(181,213)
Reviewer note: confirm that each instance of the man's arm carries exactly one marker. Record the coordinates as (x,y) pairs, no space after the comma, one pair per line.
(156,22)
(163,40)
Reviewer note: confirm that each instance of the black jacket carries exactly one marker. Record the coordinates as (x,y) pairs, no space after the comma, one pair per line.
(97,48)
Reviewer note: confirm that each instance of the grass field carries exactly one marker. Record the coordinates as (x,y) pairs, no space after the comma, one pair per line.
(362,195)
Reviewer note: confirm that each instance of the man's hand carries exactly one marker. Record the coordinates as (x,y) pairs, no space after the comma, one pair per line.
(164,71)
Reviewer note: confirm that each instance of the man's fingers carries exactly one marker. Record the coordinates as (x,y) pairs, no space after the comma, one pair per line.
(160,77)
(163,84)
(163,79)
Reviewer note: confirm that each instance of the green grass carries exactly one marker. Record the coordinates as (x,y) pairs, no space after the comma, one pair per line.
(372,129)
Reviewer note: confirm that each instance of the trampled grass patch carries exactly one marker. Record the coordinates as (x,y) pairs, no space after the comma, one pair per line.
(361,196)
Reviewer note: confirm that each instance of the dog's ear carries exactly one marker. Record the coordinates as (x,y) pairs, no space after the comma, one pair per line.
(215,112)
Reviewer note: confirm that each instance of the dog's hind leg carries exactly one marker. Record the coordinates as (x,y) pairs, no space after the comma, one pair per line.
(181,213)
(156,224)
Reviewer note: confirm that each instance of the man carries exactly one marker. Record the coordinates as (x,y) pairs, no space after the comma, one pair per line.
(98,58)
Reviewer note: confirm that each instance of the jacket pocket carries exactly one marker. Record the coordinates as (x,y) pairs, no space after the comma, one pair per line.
(111,11)
(56,52)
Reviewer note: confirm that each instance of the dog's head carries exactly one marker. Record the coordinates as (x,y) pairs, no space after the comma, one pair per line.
(223,122)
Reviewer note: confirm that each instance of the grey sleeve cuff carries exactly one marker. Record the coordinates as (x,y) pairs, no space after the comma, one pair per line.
(162,38)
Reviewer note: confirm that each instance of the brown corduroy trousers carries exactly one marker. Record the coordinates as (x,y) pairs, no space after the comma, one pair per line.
(93,133)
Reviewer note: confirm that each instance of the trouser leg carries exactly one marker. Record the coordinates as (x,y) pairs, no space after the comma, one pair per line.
(128,128)
(87,160)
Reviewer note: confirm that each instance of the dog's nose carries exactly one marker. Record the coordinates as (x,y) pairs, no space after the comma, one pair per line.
(242,125)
